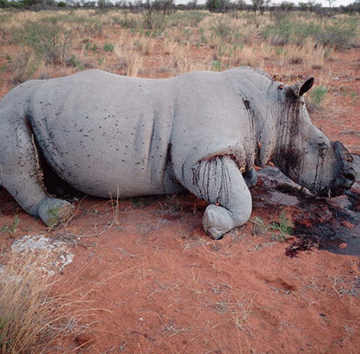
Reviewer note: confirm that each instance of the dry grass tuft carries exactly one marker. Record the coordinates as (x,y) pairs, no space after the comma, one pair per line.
(129,60)
(182,61)
(30,317)
(309,54)
(252,56)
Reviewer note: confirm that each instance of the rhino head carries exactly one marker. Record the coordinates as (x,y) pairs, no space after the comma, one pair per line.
(303,152)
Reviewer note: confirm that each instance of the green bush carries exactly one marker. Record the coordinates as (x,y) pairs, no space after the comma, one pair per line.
(186,18)
(125,21)
(154,20)
(218,5)
(4,4)
(222,29)
(48,40)
(334,33)
(338,35)
(286,32)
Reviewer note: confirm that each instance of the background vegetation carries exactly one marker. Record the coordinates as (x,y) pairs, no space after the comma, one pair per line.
(40,44)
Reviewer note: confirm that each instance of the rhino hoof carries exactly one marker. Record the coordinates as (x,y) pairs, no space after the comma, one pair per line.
(217,221)
(55,212)
(250,178)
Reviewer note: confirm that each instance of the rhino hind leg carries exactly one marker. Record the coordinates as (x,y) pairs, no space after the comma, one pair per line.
(219,181)
(21,174)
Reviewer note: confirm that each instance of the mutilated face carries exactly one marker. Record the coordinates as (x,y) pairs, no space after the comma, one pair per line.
(304,153)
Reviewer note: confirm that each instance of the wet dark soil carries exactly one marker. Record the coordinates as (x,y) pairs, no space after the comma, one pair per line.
(331,224)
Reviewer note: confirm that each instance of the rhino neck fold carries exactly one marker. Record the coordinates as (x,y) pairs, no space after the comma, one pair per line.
(258,104)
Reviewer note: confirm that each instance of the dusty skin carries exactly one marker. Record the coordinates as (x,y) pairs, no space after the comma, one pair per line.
(155,283)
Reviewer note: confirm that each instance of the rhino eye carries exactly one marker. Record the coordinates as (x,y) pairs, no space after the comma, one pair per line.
(322,149)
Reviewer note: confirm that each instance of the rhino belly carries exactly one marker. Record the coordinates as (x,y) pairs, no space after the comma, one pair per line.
(114,171)
(106,161)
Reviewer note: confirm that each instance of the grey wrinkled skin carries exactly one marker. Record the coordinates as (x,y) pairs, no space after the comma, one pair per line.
(113,136)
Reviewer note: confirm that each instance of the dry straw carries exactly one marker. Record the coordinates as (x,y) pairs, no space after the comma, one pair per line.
(31,318)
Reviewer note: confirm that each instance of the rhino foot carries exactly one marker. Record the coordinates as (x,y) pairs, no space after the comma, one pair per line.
(54,211)
(250,178)
(217,221)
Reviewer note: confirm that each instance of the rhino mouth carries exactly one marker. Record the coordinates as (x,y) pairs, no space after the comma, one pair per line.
(345,174)
(340,185)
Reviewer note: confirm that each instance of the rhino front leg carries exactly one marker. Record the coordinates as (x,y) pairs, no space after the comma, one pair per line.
(220,182)
(21,176)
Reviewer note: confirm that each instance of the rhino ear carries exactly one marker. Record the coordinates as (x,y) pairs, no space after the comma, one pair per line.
(306,86)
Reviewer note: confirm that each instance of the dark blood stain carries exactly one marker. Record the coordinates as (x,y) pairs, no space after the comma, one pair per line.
(331,224)
(304,244)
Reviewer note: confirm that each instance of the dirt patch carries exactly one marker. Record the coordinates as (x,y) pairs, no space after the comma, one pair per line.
(155,283)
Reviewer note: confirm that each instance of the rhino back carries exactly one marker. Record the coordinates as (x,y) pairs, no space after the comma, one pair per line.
(106,135)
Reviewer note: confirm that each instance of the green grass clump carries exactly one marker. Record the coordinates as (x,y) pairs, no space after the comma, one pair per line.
(285,228)
(318,95)
(109,47)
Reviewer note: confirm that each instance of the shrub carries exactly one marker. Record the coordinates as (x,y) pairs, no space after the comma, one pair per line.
(125,21)
(218,5)
(336,34)
(48,40)
(154,20)
(186,18)
(222,29)
(4,4)
(23,66)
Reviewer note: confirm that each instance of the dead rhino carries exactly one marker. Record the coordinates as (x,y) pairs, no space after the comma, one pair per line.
(115,136)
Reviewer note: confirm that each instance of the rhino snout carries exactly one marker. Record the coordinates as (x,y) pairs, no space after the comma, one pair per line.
(348,177)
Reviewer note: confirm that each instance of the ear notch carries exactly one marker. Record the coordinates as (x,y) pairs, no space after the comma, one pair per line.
(306,86)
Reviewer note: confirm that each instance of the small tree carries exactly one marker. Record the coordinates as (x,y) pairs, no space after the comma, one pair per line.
(241,5)
(3,4)
(260,5)
(192,4)
(28,3)
(102,4)
(163,5)
(310,6)
(354,7)
(218,5)
(287,6)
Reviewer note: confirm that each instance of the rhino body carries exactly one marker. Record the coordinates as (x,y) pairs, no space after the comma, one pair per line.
(113,136)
